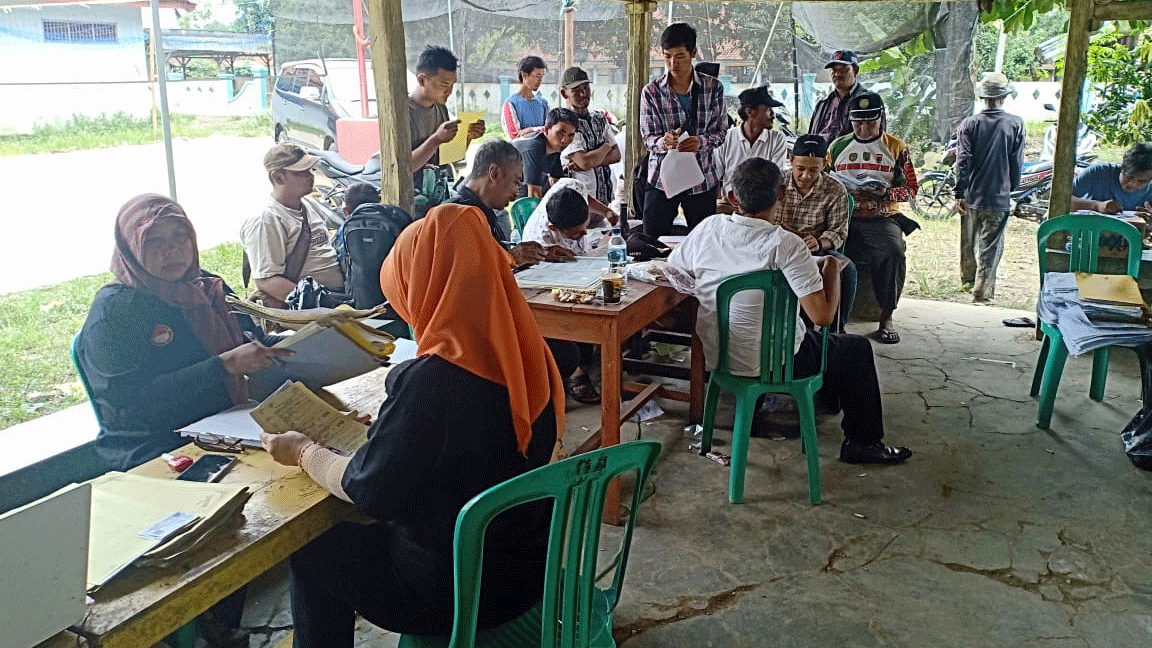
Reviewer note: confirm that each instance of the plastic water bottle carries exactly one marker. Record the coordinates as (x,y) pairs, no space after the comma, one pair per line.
(618,254)
(514,237)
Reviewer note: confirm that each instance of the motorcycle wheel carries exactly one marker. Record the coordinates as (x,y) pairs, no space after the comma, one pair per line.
(934,199)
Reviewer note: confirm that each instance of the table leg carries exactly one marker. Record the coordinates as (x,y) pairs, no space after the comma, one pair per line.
(696,388)
(610,394)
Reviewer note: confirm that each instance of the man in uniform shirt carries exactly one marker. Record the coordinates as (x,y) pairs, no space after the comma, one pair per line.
(427,109)
(272,241)
(830,117)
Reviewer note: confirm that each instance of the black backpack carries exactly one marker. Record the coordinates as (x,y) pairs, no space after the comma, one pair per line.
(361,245)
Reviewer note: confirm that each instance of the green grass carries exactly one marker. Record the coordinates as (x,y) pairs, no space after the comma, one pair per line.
(36,331)
(80,132)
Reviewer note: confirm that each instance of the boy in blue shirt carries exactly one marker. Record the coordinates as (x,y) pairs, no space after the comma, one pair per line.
(1111,188)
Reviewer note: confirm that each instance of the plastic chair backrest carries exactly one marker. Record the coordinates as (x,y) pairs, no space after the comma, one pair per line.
(777,326)
(80,372)
(521,210)
(851,208)
(1084,236)
(577,485)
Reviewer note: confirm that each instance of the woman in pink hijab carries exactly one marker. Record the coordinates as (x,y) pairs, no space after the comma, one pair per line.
(160,349)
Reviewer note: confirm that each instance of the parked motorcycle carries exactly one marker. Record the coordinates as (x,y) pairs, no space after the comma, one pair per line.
(338,174)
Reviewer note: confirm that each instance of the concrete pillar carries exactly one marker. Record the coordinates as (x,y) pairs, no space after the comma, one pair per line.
(505,89)
(261,75)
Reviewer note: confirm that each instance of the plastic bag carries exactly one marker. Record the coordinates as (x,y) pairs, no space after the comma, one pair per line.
(1137,438)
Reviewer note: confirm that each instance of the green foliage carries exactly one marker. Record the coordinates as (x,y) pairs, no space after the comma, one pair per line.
(1020,62)
(1123,79)
(253,17)
(910,102)
(1018,15)
(201,69)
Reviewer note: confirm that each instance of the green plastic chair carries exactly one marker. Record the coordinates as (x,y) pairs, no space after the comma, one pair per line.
(851,208)
(777,344)
(521,210)
(1084,235)
(80,372)
(574,612)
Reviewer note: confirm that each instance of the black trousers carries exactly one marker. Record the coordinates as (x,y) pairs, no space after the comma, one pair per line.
(849,381)
(377,571)
(660,210)
(570,355)
(878,243)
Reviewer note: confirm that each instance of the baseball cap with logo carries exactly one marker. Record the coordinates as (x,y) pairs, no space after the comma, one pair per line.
(842,57)
(288,157)
(865,106)
(995,85)
(810,146)
(573,77)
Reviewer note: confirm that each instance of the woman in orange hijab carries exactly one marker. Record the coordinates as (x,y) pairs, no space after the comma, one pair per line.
(482,403)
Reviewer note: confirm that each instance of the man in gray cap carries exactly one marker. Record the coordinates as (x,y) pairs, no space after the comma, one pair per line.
(830,117)
(989,153)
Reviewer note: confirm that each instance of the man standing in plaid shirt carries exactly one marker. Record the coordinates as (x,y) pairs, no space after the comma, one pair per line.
(681,102)
(814,207)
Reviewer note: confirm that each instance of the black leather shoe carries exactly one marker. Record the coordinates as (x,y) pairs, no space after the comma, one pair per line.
(872,453)
(581,389)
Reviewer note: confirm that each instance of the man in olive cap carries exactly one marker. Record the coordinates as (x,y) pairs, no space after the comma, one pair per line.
(990,150)
(876,168)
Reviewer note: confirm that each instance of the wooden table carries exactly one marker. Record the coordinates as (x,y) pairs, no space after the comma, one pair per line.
(287,510)
(610,326)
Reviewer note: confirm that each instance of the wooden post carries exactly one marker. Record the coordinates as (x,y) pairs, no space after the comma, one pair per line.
(1075,69)
(639,34)
(390,71)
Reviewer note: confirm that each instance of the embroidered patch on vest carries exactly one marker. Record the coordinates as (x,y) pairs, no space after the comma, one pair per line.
(162,335)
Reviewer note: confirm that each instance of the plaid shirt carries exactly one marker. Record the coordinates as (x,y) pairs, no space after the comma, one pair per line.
(823,213)
(660,113)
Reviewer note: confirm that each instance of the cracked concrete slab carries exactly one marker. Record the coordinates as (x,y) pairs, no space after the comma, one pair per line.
(995,533)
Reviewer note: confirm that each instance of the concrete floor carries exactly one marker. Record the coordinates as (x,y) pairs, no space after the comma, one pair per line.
(994,534)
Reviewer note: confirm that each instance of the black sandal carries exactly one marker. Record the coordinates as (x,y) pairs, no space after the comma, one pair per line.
(581,389)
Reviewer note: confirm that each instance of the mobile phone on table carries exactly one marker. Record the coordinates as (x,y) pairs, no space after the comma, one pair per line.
(208,468)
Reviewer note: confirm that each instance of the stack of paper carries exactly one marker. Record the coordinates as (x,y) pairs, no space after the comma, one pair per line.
(1061,305)
(328,353)
(147,521)
(581,274)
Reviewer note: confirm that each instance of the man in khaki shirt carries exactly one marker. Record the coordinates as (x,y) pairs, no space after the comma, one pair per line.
(271,239)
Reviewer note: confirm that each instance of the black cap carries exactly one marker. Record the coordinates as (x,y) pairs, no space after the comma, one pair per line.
(707,67)
(761,96)
(865,107)
(810,146)
(845,57)
(573,77)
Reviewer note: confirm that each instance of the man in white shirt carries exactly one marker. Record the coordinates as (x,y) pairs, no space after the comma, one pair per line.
(753,137)
(272,242)
(728,245)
